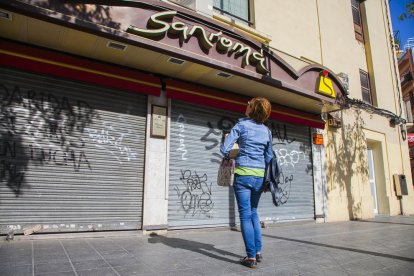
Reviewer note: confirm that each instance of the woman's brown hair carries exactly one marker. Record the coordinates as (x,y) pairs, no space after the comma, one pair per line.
(260,109)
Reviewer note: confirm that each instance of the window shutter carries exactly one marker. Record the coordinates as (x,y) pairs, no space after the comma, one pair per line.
(356,14)
(365,87)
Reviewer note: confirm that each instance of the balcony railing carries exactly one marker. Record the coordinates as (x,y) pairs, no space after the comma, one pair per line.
(250,24)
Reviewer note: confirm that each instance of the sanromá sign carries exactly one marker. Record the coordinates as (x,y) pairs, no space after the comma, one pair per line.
(159,26)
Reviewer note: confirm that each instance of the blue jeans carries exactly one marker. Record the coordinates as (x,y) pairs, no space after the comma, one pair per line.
(248,190)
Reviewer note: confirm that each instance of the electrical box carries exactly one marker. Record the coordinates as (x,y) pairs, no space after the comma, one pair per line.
(400,183)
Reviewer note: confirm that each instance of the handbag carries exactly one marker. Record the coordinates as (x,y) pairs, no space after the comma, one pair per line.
(272,180)
(225,176)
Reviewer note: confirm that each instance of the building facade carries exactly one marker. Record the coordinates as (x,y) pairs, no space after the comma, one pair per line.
(113,112)
(406,70)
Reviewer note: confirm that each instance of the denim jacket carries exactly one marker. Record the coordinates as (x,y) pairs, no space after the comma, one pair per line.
(255,144)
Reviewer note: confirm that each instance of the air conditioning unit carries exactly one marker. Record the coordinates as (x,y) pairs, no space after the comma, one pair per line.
(204,7)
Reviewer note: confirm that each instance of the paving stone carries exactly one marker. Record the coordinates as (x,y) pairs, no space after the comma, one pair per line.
(52,267)
(106,247)
(135,270)
(111,253)
(89,264)
(333,271)
(389,261)
(179,273)
(85,257)
(383,272)
(362,267)
(46,244)
(120,255)
(21,270)
(50,258)
(97,272)
(290,269)
(66,273)
(13,262)
(167,264)
(126,261)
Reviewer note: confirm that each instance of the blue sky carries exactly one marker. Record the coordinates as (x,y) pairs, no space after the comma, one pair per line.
(405,27)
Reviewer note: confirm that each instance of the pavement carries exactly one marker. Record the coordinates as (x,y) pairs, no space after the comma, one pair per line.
(382,246)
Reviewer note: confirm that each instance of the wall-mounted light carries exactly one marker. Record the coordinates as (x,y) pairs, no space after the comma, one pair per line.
(345,81)
(176,61)
(403,132)
(116,46)
(224,75)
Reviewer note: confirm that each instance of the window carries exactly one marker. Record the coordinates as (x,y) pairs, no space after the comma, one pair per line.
(365,87)
(235,9)
(408,111)
(356,14)
(406,77)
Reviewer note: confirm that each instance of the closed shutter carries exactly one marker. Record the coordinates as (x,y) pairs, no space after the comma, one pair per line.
(72,155)
(293,146)
(195,199)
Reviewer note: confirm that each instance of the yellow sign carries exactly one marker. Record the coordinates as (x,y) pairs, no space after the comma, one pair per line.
(325,87)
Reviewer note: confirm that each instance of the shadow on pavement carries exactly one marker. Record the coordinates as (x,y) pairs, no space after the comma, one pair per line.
(198,247)
(343,248)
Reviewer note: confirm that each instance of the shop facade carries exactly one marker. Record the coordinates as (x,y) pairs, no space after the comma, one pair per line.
(113,115)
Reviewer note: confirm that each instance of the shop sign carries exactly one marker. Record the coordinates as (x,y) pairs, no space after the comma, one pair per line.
(317,139)
(325,86)
(159,26)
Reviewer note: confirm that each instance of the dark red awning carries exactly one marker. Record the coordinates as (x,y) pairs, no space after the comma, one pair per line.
(75,68)
(220,99)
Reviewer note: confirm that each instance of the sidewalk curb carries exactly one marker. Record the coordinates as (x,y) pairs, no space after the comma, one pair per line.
(79,235)
(143,233)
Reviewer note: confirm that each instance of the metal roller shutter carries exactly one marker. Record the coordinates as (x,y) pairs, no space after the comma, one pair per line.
(293,146)
(195,199)
(72,155)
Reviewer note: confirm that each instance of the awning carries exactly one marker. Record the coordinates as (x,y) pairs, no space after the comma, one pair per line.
(70,67)
(220,99)
(128,23)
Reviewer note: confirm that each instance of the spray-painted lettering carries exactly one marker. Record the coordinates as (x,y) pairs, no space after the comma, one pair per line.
(195,198)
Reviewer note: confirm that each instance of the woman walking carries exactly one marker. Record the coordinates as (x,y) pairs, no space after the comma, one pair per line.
(255,151)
